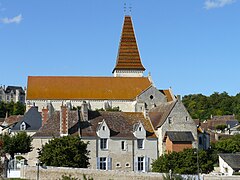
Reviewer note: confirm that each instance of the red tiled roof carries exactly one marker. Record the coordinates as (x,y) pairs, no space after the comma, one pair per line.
(13,119)
(128,55)
(81,87)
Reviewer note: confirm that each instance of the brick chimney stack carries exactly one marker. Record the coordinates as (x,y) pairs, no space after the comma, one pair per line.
(45,115)
(63,121)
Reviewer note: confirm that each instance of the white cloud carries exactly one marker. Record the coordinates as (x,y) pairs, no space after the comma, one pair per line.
(210,4)
(16,19)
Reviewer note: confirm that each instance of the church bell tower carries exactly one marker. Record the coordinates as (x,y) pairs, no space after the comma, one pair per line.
(128,63)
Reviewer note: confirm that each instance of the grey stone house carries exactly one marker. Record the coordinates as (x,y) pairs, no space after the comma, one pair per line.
(12,93)
(117,140)
(173,117)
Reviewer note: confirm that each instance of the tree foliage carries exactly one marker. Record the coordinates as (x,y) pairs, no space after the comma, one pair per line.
(184,162)
(68,151)
(218,104)
(18,143)
(11,108)
(229,145)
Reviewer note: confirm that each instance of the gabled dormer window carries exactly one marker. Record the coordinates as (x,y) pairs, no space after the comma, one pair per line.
(140,128)
(23,126)
(103,128)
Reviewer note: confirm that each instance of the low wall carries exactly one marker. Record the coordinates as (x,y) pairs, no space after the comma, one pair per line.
(52,173)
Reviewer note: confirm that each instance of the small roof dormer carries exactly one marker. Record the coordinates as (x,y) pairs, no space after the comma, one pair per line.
(139,130)
(103,130)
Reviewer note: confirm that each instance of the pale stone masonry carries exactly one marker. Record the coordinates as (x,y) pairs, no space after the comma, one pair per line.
(12,93)
(129,140)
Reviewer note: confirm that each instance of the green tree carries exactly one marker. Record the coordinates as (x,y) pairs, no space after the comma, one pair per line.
(18,143)
(202,107)
(184,162)
(11,108)
(68,151)
(19,108)
(229,145)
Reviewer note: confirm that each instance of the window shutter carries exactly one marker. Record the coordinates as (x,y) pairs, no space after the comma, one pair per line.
(135,164)
(98,163)
(146,159)
(109,163)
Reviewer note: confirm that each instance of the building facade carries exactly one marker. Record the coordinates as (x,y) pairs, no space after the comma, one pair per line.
(12,93)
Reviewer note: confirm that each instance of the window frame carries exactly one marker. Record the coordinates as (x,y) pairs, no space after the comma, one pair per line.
(140,163)
(103,163)
(140,143)
(103,143)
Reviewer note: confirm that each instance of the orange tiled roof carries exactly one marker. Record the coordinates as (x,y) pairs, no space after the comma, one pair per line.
(79,87)
(168,95)
(128,54)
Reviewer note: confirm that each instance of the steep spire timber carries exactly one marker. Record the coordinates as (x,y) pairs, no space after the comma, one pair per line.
(128,60)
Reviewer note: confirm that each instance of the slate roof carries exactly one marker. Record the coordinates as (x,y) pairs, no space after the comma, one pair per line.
(32,118)
(52,126)
(120,124)
(14,88)
(159,114)
(80,87)
(180,136)
(128,55)
(233,160)
(219,120)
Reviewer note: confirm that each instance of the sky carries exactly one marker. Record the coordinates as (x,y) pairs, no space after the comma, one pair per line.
(192,46)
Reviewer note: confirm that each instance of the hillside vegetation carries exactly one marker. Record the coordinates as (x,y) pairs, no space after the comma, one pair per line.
(202,107)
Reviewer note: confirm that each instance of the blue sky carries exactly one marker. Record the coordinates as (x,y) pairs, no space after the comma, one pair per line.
(192,46)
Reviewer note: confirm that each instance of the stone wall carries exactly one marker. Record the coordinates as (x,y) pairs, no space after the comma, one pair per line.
(52,173)
(181,121)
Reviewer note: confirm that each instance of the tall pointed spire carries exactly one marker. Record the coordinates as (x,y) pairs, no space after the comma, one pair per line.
(128,60)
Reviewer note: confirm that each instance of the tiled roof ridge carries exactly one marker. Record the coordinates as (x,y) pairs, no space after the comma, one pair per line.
(128,57)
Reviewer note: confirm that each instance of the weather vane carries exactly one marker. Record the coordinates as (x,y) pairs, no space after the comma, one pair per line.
(125,7)
(129,8)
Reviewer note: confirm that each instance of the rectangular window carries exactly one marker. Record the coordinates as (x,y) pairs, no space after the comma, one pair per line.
(140,143)
(140,163)
(200,140)
(103,143)
(103,163)
(169,120)
(8,98)
(123,145)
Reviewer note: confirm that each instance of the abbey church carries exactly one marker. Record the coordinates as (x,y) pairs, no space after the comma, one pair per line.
(127,89)
(149,122)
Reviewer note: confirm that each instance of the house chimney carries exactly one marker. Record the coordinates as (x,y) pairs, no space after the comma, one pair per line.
(63,121)
(45,115)
(84,111)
